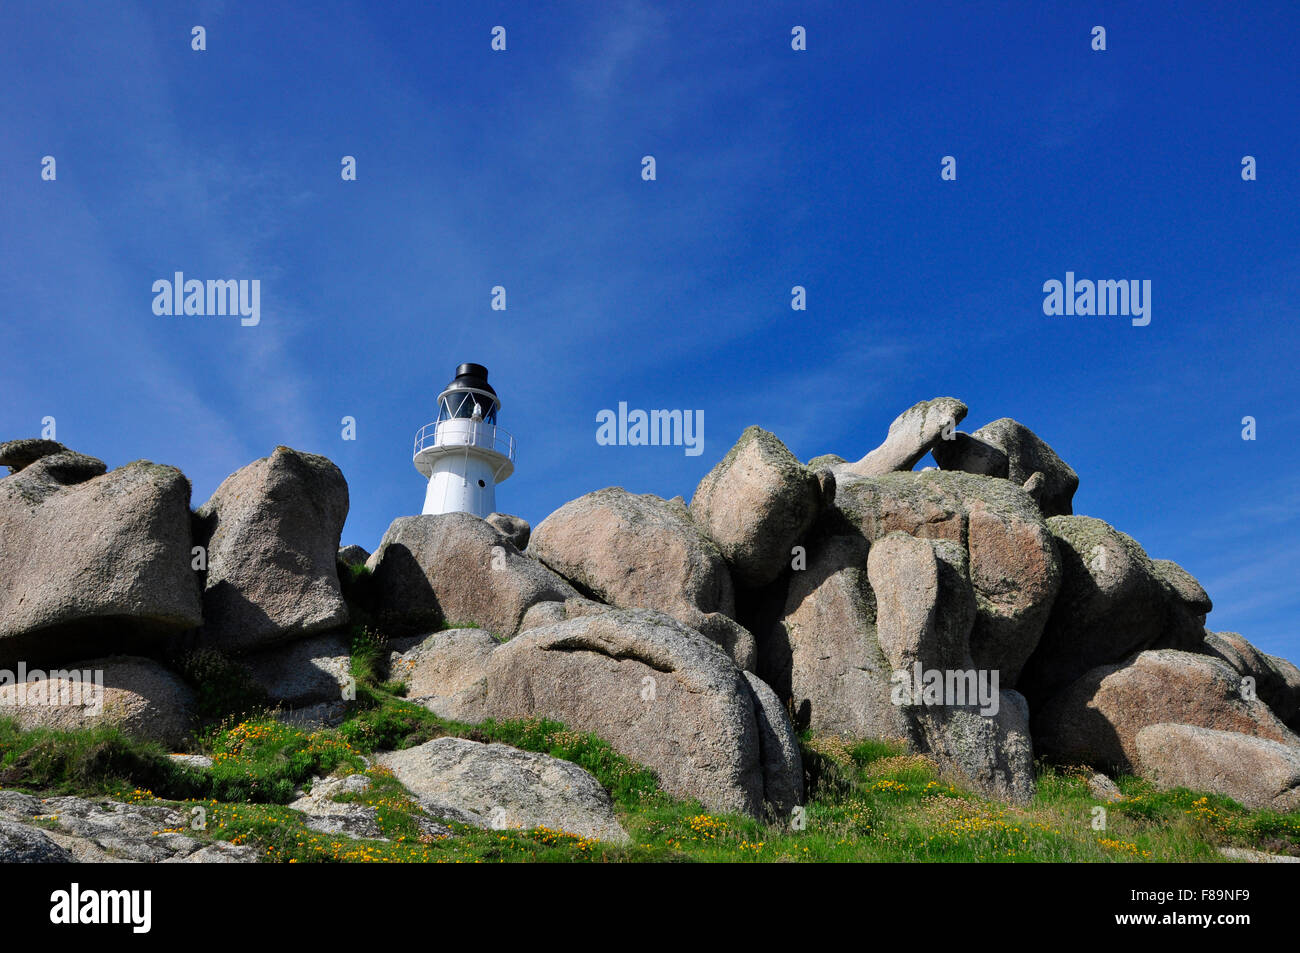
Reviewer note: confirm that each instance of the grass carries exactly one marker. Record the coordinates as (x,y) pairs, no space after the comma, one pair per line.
(352,580)
(875,802)
(868,800)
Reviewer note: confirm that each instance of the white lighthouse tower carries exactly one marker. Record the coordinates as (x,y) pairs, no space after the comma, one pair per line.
(464,454)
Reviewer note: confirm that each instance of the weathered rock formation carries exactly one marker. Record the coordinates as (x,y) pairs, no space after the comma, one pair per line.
(496,786)
(271,531)
(91,562)
(642,552)
(456,568)
(964,610)
(756,504)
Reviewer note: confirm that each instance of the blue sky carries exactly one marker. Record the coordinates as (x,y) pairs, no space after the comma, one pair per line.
(775,168)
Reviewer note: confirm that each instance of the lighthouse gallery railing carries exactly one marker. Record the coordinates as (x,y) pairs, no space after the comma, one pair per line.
(465,433)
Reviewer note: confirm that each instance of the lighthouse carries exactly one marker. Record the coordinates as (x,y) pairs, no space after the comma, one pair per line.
(464,454)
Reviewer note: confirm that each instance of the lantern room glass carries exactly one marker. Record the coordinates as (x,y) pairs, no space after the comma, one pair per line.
(460,405)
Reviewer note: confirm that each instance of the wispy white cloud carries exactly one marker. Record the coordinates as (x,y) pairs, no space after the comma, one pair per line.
(617,36)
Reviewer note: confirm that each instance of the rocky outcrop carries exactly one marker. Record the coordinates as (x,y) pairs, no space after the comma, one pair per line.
(311,670)
(17,454)
(659,692)
(778,752)
(446,672)
(865,614)
(137,695)
(53,465)
(353,556)
(1096,719)
(1275,680)
(1287,697)
(642,552)
(496,786)
(991,751)
(822,652)
(921,617)
(1026,458)
(92,562)
(544,613)
(1255,772)
(1247,855)
(925,611)
(1183,586)
(756,504)
(104,831)
(20,844)
(1186,605)
(683,636)
(327,813)
(636,552)
(271,531)
(911,436)
(1104,789)
(710,731)
(970,455)
(328,816)
(514,527)
(1013,564)
(456,568)
(1111,604)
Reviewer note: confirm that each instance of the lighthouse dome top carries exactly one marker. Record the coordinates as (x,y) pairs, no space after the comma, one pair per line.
(469,387)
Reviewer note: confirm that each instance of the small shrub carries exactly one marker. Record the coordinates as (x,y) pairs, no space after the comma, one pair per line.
(225,688)
(369,649)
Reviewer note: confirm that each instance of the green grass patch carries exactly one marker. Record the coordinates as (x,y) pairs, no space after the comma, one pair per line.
(869,800)
(93,761)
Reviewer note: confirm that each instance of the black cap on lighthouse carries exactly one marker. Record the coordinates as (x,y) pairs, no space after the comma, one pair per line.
(471,377)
